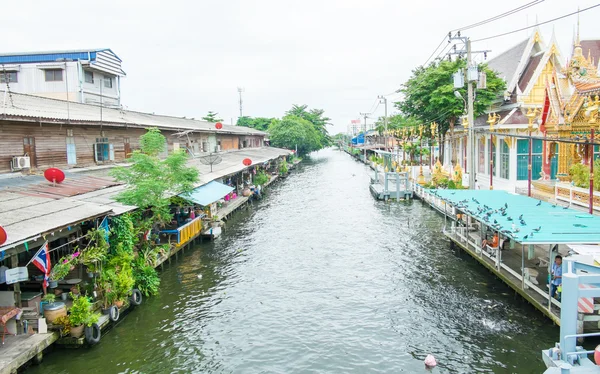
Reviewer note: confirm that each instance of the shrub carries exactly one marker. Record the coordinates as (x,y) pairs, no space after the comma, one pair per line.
(146,278)
(580,175)
(81,311)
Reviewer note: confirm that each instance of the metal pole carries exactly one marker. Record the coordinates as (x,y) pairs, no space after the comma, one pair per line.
(470,118)
(529,167)
(67,86)
(491,161)
(592,174)
(385,121)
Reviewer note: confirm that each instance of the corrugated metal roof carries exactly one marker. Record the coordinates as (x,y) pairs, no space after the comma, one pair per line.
(36,108)
(50,56)
(30,207)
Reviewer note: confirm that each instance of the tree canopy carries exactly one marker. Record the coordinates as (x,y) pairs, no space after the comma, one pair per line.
(293,131)
(429,94)
(259,123)
(212,117)
(316,117)
(150,179)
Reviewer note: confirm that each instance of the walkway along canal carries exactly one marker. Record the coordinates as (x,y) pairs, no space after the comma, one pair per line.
(320,277)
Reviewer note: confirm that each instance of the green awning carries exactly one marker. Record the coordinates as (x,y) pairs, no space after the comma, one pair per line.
(209,193)
(558,225)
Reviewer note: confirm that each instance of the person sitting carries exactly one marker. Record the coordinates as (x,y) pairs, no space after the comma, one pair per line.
(493,244)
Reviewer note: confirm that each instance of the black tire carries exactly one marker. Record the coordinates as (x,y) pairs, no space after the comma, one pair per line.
(136,297)
(93,334)
(113,313)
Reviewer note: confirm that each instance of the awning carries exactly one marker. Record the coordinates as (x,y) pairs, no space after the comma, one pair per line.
(209,193)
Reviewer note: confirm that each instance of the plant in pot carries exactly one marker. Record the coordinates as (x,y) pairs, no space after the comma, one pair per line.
(96,251)
(105,284)
(81,315)
(214,222)
(123,285)
(65,325)
(59,271)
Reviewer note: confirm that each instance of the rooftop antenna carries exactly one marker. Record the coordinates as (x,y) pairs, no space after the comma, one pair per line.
(240,90)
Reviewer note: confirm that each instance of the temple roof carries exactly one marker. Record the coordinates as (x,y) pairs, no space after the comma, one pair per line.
(593,48)
(530,68)
(506,63)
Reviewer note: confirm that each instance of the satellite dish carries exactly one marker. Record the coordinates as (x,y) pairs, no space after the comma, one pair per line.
(211,159)
(3,235)
(54,175)
(247,162)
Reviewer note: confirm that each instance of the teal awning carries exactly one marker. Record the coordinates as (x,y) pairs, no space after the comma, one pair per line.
(543,223)
(209,193)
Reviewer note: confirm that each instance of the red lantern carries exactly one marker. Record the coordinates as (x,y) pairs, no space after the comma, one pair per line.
(54,175)
(247,162)
(219,125)
(3,236)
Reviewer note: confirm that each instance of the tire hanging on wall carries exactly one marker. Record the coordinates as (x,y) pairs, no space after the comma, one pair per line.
(93,334)
(113,313)
(136,297)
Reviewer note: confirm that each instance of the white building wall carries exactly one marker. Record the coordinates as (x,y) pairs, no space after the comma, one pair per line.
(31,79)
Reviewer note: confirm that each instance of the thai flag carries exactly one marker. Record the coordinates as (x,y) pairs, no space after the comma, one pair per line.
(42,261)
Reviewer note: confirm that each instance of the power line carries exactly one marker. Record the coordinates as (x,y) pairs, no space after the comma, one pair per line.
(537,24)
(435,50)
(499,16)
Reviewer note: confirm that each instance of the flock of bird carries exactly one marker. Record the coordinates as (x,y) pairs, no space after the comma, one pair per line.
(489,215)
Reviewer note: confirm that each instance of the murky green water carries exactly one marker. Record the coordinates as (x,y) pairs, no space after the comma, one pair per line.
(320,278)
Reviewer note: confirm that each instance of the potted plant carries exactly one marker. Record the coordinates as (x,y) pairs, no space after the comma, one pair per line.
(81,315)
(214,221)
(123,285)
(65,325)
(62,268)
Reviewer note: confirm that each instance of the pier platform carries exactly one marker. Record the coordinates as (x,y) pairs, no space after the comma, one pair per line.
(527,249)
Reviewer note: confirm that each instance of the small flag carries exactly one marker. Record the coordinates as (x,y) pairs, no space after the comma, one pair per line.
(26,246)
(41,260)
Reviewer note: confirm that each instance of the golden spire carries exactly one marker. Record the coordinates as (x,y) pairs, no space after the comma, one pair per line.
(578,41)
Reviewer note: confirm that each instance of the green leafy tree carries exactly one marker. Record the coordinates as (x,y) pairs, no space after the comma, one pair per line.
(396,122)
(316,117)
(151,180)
(212,117)
(258,123)
(292,131)
(429,95)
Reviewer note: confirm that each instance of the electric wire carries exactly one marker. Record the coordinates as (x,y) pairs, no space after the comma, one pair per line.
(499,16)
(537,24)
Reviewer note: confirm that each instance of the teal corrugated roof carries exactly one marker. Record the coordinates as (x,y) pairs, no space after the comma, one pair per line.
(557,224)
(209,193)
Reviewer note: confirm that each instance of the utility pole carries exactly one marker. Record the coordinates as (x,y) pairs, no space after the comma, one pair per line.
(385,119)
(472,76)
(365,115)
(240,90)
(470,118)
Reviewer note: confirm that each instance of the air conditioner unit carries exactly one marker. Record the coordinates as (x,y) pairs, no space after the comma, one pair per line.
(20,163)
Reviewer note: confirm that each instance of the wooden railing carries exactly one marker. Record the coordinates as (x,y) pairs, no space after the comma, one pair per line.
(189,231)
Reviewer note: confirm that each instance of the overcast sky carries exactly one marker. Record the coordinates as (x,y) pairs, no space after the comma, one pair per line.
(189,57)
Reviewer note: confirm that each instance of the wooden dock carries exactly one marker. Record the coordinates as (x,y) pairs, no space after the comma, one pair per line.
(21,349)
(523,267)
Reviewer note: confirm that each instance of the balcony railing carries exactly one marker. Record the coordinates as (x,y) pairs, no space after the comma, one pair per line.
(186,232)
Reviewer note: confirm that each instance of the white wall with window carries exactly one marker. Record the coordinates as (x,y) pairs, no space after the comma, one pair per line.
(63,80)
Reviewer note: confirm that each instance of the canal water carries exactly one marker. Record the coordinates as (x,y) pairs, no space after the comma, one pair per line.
(318,277)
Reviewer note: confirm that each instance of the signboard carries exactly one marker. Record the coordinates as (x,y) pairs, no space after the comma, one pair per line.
(16,275)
